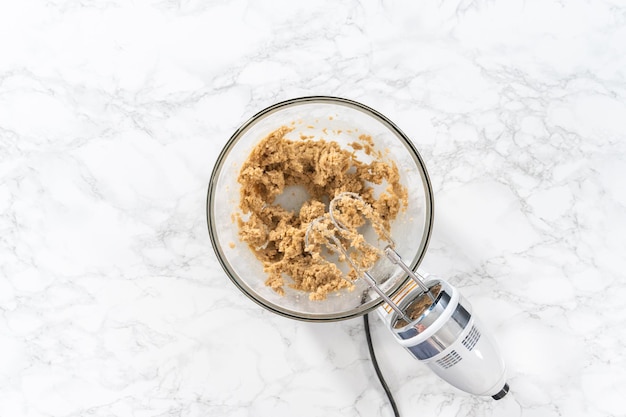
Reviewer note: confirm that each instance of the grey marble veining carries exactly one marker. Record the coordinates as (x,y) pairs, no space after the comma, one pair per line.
(112,115)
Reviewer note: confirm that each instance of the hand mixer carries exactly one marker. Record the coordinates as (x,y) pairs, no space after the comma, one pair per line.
(431,320)
(426,316)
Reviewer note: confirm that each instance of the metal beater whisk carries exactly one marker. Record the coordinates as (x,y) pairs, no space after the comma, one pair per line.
(332,229)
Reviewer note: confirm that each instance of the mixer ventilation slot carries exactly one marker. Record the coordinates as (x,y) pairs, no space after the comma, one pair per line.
(449,360)
(472,338)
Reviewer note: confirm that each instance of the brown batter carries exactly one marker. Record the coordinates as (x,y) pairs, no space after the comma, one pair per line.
(324,169)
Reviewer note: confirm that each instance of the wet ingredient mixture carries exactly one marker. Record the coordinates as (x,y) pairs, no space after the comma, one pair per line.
(324,169)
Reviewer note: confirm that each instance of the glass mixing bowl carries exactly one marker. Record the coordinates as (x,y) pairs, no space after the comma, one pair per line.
(335,119)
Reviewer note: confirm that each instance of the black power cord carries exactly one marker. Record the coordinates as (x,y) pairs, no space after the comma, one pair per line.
(379,374)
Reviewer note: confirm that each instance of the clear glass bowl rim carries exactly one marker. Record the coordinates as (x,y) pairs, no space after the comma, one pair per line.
(429,206)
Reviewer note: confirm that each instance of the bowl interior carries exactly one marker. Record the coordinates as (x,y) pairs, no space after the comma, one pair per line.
(333,119)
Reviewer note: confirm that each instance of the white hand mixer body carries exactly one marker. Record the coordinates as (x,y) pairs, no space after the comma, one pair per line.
(449,339)
(429,318)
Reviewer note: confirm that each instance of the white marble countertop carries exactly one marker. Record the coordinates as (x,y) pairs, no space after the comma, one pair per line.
(112,114)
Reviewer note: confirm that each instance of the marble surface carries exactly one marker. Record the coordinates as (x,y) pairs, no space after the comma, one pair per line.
(112,114)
